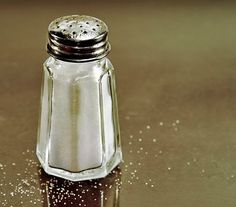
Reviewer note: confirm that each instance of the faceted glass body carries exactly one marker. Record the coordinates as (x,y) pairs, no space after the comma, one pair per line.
(78,135)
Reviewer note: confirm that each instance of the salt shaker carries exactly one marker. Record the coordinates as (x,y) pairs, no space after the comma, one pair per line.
(78,133)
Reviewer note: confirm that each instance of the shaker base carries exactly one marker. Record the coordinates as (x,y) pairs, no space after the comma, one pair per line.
(96,173)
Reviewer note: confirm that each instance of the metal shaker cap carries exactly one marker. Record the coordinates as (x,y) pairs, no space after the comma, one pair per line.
(78,38)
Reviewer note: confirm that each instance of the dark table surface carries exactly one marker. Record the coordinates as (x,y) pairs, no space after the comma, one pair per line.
(176,75)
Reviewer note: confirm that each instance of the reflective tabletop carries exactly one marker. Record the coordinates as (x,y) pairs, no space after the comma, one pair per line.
(176,82)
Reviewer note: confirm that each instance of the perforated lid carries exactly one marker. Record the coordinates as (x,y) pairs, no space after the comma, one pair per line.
(78,38)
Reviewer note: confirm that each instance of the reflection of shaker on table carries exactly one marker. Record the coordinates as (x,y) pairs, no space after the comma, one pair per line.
(96,193)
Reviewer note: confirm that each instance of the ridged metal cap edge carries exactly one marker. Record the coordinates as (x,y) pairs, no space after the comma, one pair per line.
(78,38)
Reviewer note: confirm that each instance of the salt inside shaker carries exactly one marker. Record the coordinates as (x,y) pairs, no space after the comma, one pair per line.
(78,133)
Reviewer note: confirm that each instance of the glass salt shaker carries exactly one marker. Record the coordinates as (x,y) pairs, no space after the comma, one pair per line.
(78,134)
